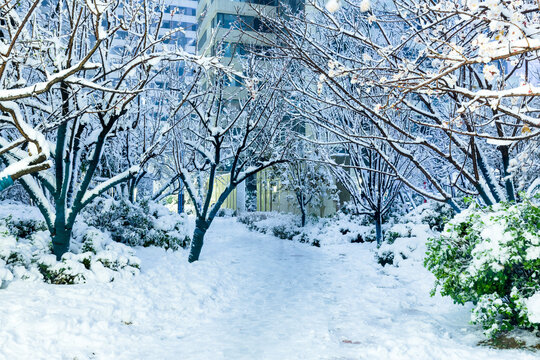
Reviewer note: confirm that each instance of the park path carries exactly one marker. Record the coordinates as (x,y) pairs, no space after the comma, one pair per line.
(251,296)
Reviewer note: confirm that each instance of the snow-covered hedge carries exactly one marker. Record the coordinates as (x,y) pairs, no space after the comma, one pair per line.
(283,226)
(405,238)
(402,242)
(340,228)
(26,254)
(491,257)
(433,213)
(141,224)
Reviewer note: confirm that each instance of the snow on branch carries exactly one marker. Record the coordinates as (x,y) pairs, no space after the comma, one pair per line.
(106,185)
(44,86)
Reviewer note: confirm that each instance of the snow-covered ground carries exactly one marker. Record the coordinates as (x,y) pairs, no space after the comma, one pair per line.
(251,296)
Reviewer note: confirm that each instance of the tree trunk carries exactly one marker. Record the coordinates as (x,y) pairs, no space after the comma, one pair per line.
(251,193)
(301,204)
(454,206)
(378,228)
(181,200)
(198,238)
(131,185)
(60,241)
(488,178)
(509,185)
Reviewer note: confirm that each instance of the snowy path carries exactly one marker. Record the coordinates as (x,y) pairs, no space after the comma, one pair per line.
(251,297)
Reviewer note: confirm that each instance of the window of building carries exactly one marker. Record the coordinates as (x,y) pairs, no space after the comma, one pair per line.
(202,40)
(242,22)
(228,49)
(170,24)
(171,9)
(259,2)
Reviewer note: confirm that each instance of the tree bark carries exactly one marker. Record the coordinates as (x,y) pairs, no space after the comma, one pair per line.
(509,185)
(488,177)
(131,188)
(302,207)
(181,200)
(61,241)
(198,239)
(378,228)
(251,193)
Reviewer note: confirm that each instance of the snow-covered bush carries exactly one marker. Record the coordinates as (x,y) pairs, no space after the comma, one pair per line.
(404,241)
(224,212)
(491,257)
(27,255)
(406,236)
(433,213)
(250,218)
(283,226)
(21,227)
(141,224)
(341,228)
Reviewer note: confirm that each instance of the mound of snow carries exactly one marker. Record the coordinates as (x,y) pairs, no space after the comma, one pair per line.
(27,255)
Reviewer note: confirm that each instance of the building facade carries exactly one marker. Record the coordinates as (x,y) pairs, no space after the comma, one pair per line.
(229,26)
(232,29)
(181,14)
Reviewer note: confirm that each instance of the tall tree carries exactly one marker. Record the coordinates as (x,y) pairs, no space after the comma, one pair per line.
(305,177)
(234,133)
(117,51)
(436,80)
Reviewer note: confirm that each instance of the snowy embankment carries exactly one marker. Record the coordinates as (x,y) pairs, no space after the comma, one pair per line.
(251,296)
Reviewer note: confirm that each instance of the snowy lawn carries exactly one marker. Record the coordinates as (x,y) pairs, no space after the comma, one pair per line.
(251,296)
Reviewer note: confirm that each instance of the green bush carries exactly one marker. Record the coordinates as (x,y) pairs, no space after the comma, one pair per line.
(140,224)
(491,257)
(385,257)
(340,228)
(284,232)
(26,253)
(250,220)
(24,228)
(438,215)
(391,236)
(60,276)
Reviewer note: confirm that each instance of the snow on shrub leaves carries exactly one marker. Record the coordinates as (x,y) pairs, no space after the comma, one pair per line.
(403,242)
(140,224)
(491,257)
(26,254)
(406,238)
(340,228)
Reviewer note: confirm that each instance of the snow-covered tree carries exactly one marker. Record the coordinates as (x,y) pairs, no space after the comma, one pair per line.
(305,178)
(107,54)
(27,73)
(232,132)
(309,182)
(448,81)
(369,178)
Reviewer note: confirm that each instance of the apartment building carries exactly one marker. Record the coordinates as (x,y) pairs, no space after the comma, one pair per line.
(181,14)
(231,29)
(223,25)
(177,14)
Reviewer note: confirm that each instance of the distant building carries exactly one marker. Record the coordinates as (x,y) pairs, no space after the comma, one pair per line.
(177,14)
(228,21)
(231,28)
(181,14)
